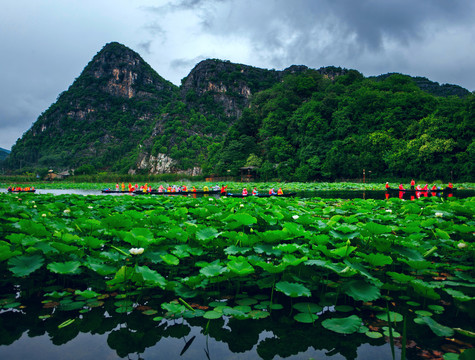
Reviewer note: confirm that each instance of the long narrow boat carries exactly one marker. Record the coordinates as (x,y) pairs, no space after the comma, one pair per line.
(20,191)
(239,195)
(410,191)
(156,192)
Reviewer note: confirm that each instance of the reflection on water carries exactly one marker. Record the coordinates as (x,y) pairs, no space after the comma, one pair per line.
(101,333)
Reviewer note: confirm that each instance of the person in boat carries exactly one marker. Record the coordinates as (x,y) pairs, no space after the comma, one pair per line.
(130,187)
(418,188)
(136,186)
(401,187)
(169,188)
(244,192)
(413,183)
(426,187)
(387,185)
(123,187)
(160,189)
(280,192)
(450,186)
(9,188)
(184,188)
(434,187)
(255,192)
(193,189)
(205,189)
(272,192)
(117,187)
(223,189)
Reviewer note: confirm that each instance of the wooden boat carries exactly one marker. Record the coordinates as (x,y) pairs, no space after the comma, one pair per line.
(20,191)
(410,191)
(109,191)
(240,195)
(156,192)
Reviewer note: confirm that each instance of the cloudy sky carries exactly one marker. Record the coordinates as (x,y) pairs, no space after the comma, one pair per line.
(45,44)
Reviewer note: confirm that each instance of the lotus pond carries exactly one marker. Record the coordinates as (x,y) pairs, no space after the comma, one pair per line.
(255,278)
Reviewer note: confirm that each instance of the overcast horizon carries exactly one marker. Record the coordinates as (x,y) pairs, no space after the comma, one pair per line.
(46,44)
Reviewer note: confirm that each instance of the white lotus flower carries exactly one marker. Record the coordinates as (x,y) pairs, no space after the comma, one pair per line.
(439,214)
(66,211)
(90,207)
(242,205)
(136,251)
(34,206)
(461,245)
(389,211)
(44,215)
(295,217)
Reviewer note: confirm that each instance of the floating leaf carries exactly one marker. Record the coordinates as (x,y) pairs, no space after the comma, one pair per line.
(292,289)
(66,323)
(68,267)
(240,266)
(348,325)
(24,264)
(393,316)
(361,291)
(207,234)
(373,334)
(307,307)
(307,318)
(212,315)
(438,329)
(213,270)
(151,276)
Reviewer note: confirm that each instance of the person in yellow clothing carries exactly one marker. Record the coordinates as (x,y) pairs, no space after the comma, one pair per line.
(280,192)
(205,189)
(123,187)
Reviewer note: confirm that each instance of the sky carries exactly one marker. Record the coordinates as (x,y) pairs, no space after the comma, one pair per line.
(45,44)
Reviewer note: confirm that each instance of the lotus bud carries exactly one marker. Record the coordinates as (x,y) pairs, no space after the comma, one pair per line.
(295,217)
(136,251)
(461,245)
(439,214)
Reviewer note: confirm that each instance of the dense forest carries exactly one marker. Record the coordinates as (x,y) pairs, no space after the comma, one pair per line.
(309,128)
(300,124)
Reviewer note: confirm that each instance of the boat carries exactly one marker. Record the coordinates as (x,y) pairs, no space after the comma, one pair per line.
(109,191)
(19,191)
(447,190)
(240,195)
(156,192)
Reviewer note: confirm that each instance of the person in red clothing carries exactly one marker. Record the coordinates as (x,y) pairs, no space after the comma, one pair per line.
(387,185)
(401,187)
(255,192)
(223,189)
(451,186)
(412,184)
(244,192)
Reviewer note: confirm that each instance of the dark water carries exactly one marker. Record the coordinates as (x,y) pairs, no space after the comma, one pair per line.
(324,194)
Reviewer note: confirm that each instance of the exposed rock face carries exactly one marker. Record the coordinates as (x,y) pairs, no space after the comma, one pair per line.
(162,164)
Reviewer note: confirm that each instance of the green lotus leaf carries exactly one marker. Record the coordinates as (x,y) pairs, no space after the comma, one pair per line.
(292,289)
(307,307)
(207,233)
(438,329)
(460,296)
(342,251)
(402,278)
(212,315)
(348,325)
(271,268)
(423,313)
(63,248)
(6,253)
(465,332)
(213,270)
(258,314)
(274,236)
(344,308)
(68,267)
(307,318)
(360,290)
(442,234)
(241,219)
(377,229)
(33,228)
(436,308)
(25,264)
(425,289)
(151,276)
(373,334)
(233,250)
(101,269)
(88,294)
(288,248)
(246,301)
(291,260)
(170,259)
(240,266)
(393,316)
(378,259)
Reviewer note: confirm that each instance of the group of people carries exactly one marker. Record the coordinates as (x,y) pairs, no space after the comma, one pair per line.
(19,189)
(168,188)
(255,192)
(419,187)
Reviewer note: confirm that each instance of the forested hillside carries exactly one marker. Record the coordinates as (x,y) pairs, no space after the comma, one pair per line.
(301,124)
(309,128)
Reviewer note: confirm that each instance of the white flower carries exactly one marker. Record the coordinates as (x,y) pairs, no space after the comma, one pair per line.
(461,245)
(439,214)
(389,211)
(242,205)
(44,215)
(34,206)
(295,217)
(66,211)
(136,251)
(90,207)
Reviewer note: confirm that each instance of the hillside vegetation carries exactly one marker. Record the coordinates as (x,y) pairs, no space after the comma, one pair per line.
(301,124)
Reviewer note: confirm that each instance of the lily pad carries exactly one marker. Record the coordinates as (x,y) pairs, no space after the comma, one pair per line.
(292,289)
(348,325)
(307,318)
(307,307)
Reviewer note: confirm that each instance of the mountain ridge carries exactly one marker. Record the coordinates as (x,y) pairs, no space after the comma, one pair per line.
(120,115)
